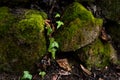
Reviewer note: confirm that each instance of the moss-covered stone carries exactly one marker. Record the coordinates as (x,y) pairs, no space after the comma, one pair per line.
(80,28)
(6,19)
(110,9)
(23,41)
(97,54)
(113,29)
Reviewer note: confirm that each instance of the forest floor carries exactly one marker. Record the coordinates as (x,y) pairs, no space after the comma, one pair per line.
(54,71)
(60,69)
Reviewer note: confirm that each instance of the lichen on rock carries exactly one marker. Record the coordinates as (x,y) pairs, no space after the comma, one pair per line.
(80,29)
(23,41)
(97,54)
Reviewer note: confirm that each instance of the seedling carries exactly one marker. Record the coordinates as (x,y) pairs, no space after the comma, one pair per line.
(59,24)
(57,15)
(42,73)
(53,47)
(49,30)
(26,75)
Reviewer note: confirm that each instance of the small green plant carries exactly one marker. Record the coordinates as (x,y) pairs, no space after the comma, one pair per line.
(53,46)
(26,75)
(57,15)
(42,73)
(49,30)
(59,24)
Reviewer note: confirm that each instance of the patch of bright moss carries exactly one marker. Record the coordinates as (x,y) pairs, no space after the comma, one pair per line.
(97,54)
(78,23)
(23,42)
(29,12)
(76,10)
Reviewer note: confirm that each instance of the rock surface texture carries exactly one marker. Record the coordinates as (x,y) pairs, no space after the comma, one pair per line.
(97,54)
(80,29)
(22,41)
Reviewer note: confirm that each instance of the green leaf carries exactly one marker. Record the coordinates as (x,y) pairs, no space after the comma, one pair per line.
(26,75)
(53,54)
(59,24)
(52,47)
(51,40)
(53,43)
(57,15)
(42,73)
(49,30)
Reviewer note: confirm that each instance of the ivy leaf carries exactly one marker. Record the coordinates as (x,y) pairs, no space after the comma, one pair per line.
(52,50)
(57,15)
(53,43)
(59,24)
(42,73)
(52,47)
(49,30)
(26,75)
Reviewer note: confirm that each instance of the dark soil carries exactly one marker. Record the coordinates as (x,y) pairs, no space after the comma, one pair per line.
(54,72)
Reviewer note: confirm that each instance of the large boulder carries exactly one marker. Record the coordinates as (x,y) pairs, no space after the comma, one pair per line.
(80,29)
(22,41)
(97,54)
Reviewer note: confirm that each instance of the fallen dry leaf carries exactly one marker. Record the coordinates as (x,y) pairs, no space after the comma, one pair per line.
(54,77)
(85,70)
(63,63)
(104,36)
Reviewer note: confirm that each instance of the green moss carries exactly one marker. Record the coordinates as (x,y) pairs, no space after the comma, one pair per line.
(6,20)
(30,36)
(76,10)
(78,23)
(23,42)
(97,54)
(98,21)
(29,12)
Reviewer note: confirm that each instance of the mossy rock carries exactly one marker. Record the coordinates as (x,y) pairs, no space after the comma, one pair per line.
(110,9)
(22,40)
(97,54)
(80,28)
(113,29)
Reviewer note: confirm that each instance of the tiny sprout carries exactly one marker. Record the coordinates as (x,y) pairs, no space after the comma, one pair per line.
(42,73)
(49,30)
(26,75)
(59,24)
(57,15)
